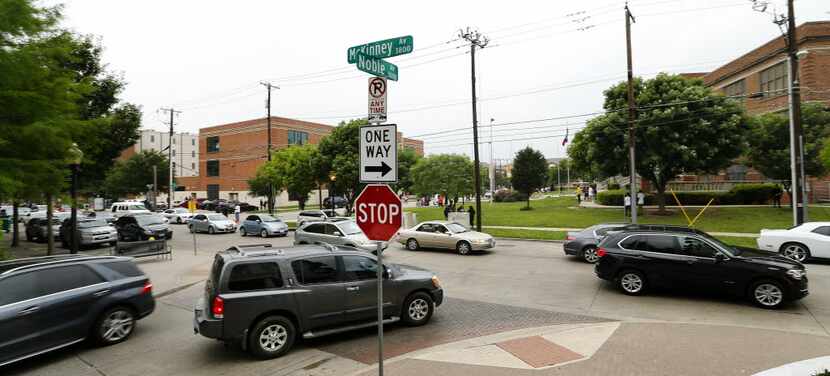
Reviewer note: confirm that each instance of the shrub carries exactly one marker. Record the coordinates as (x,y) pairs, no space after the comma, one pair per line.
(754,193)
(611,197)
(613,186)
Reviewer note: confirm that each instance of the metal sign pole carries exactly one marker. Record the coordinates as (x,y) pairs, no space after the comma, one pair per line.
(380,308)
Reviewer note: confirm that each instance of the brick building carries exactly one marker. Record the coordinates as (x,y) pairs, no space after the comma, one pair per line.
(760,79)
(230,154)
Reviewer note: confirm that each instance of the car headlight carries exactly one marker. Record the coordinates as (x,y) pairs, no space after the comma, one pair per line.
(796,274)
(436,282)
(148,232)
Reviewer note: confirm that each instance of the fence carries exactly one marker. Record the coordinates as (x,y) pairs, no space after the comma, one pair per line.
(143,249)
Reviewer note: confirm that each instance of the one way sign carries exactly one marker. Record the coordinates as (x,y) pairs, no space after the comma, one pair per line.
(379,153)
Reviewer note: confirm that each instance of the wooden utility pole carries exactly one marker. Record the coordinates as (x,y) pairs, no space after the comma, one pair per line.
(476,40)
(268,106)
(170,188)
(796,132)
(632,142)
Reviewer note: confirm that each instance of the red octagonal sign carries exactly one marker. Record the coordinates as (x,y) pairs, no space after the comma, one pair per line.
(379,212)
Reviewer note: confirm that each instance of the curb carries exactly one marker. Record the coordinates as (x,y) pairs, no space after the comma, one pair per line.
(533,240)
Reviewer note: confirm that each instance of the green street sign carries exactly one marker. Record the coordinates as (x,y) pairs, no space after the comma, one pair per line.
(377,67)
(382,48)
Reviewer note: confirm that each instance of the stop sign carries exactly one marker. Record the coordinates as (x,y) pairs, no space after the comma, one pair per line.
(379,212)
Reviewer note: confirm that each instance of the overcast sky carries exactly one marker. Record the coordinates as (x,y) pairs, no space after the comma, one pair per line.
(207,57)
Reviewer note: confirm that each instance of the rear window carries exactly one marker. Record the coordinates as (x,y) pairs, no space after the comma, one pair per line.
(258,276)
(636,242)
(215,271)
(315,270)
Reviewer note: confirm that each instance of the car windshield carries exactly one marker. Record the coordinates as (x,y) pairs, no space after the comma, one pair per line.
(733,251)
(95,223)
(268,218)
(456,228)
(136,207)
(146,220)
(350,228)
(217,217)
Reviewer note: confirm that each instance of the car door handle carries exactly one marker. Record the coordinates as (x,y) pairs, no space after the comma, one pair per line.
(28,311)
(353,288)
(101,293)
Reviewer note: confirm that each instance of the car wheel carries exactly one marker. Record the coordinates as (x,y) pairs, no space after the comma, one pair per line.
(418,309)
(463,248)
(589,254)
(242,231)
(263,233)
(271,337)
(412,245)
(632,282)
(179,220)
(115,325)
(211,230)
(767,294)
(795,251)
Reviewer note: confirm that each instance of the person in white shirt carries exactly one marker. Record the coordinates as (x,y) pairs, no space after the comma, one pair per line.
(641,200)
(627,204)
(591,193)
(236,211)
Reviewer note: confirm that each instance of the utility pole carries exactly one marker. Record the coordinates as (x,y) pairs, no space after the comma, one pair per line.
(631,114)
(170,188)
(155,186)
(268,106)
(796,132)
(492,166)
(476,40)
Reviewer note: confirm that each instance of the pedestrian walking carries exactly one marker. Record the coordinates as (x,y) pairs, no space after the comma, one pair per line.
(579,195)
(472,216)
(236,211)
(446,212)
(641,200)
(591,193)
(776,198)
(627,204)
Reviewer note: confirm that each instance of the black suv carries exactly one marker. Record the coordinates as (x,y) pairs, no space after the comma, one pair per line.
(47,303)
(143,226)
(264,298)
(636,260)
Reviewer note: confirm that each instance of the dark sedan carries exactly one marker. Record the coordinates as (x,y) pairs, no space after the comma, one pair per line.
(584,243)
(36,229)
(144,226)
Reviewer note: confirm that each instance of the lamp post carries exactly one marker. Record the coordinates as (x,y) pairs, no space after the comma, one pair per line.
(332,178)
(75,157)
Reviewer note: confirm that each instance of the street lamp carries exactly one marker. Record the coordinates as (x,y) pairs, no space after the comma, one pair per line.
(332,178)
(75,156)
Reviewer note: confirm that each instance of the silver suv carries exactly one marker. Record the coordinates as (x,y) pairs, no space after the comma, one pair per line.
(342,232)
(265,298)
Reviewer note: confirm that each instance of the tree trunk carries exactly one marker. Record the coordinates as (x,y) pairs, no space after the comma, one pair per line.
(661,199)
(528,201)
(320,195)
(15,231)
(50,239)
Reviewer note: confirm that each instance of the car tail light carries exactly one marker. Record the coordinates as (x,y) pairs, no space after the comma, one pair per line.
(148,288)
(218,308)
(601,252)
(569,238)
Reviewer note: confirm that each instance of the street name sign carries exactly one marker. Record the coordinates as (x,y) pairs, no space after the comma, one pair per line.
(382,48)
(379,153)
(377,67)
(377,100)
(379,212)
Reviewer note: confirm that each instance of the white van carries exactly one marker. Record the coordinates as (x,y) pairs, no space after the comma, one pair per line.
(127,207)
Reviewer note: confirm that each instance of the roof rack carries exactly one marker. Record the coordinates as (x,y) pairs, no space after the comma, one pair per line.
(63,260)
(240,247)
(330,247)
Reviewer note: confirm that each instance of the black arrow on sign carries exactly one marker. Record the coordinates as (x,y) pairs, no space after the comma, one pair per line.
(383,168)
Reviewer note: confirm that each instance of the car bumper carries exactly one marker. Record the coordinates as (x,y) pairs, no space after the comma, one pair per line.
(99,239)
(570,248)
(605,270)
(205,326)
(437,296)
(482,246)
(280,232)
(225,229)
(798,289)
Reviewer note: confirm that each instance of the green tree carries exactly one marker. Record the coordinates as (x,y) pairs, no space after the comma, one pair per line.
(406,159)
(530,172)
(133,175)
(291,169)
(450,175)
(825,154)
(682,126)
(769,142)
(339,157)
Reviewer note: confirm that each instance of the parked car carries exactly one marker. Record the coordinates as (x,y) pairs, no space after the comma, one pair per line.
(231,206)
(91,231)
(584,243)
(339,202)
(36,229)
(344,232)
(448,235)
(42,215)
(265,298)
(56,301)
(810,240)
(128,207)
(211,223)
(638,260)
(142,226)
(212,204)
(263,225)
(317,216)
(177,215)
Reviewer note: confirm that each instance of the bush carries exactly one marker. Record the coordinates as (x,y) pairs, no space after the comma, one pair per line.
(611,197)
(755,193)
(615,198)
(506,195)
(613,186)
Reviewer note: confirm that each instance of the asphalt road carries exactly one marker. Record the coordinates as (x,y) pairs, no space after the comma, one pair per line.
(518,284)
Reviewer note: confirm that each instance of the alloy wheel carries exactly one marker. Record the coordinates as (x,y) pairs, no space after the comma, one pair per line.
(242,231)
(117,326)
(463,248)
(768,294)
(590,255)
(418,309)
(273,338)
(795,252)
(264,233)
(631,282)
(412,245)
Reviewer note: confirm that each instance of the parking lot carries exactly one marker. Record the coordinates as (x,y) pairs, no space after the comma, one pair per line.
(517,285)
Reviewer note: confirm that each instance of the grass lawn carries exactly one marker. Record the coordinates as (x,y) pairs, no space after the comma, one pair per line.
(525,234)
(563,212)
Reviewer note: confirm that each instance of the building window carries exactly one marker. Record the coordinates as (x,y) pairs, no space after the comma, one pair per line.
(735,89)
(213,144)
(212,168)
(174,152)
(193,166)
(297,138)
(774,80)
(193,153)
(152,138)
(174,141)
(193,141)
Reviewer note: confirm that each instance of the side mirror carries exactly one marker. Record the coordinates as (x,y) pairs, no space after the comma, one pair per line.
(719,257)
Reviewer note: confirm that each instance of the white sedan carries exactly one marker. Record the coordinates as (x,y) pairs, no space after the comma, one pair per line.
(809,240)
(178,215)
